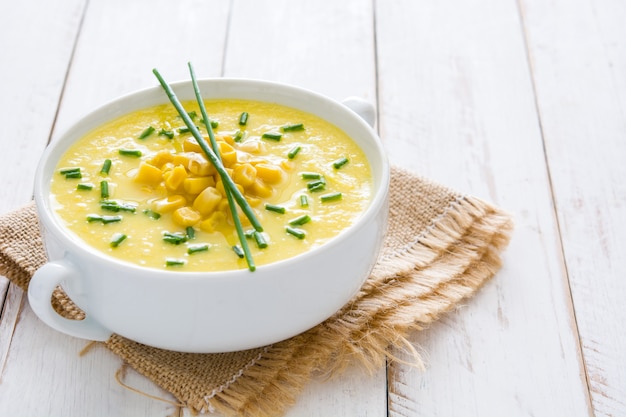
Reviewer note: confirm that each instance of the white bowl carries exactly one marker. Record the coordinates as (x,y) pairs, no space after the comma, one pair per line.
(212,311)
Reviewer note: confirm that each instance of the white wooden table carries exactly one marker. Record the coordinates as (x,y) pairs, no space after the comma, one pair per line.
(519,102)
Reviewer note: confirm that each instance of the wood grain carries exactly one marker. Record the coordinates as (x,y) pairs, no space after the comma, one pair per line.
(31,91)
(111,58)
(457,105)
(520,102)
(328,47)
(578,53)
(33,70)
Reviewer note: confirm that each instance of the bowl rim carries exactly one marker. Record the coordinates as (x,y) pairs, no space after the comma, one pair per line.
(50,221)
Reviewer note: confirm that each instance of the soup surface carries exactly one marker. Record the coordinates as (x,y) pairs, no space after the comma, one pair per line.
(141,189)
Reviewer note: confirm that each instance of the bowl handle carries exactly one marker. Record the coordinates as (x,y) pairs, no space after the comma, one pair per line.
(363,108)
(40,289)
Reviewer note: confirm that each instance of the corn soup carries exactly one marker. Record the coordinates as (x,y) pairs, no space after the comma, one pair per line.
(140,188)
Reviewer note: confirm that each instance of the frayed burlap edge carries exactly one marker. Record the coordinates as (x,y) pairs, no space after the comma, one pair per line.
(408,290)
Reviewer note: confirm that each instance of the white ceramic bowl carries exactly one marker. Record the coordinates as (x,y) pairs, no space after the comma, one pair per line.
(213,311)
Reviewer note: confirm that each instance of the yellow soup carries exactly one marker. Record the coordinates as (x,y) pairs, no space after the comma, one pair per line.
(161,203)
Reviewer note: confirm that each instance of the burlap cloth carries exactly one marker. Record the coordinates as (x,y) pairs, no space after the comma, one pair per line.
(440,248)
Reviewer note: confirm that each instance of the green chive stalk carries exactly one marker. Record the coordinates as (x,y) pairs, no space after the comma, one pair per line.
(231,188)
(210,154)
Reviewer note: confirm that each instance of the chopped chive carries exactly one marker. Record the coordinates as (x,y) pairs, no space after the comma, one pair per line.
(243,119)
(238,251)
(197,248)
(299,233)
(174,238)
(83,186)
(174,262)
(214,123)
(340,162)
(182,130)
(191,232)
(304,201)
(317,185)
(292,127)
(274,208)
(65,171)
(260,240)
(104,219)
(147,132)
(106,167)
(272,136)
(111,219)
(114,206)
(117,239)
(238,136)
(109,206)
(94,218)
(311,176)
(104,189)
(130,152)
(212,152)
(300,220)
(330,197)
(293,152)
(128,207)
(249,233)
(192,114)
(73,175)
(167,133)
(152,214)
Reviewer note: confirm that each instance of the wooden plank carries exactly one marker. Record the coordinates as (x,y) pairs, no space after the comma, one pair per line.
(32,85)
(112,57)
(34,66)
(577,49)
(457,105)
(10,314)
(326,46)
(45,375)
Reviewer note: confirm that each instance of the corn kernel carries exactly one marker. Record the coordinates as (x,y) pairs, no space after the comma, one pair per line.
(245,221)
(252,146)
(223,206)
(181,158)
(186,216)
(225,138)
(260,189)
(220,187)
(207,201)
(253,201)
(195,185)
(148,174)
(198,165)
(161,158)
(269,173)
(169,203)
(211,223)
(227,153)
(175,178)
(190,145)
(244,174)
(287,165)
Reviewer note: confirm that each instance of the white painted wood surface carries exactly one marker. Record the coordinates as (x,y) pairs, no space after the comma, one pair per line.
(518,102)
